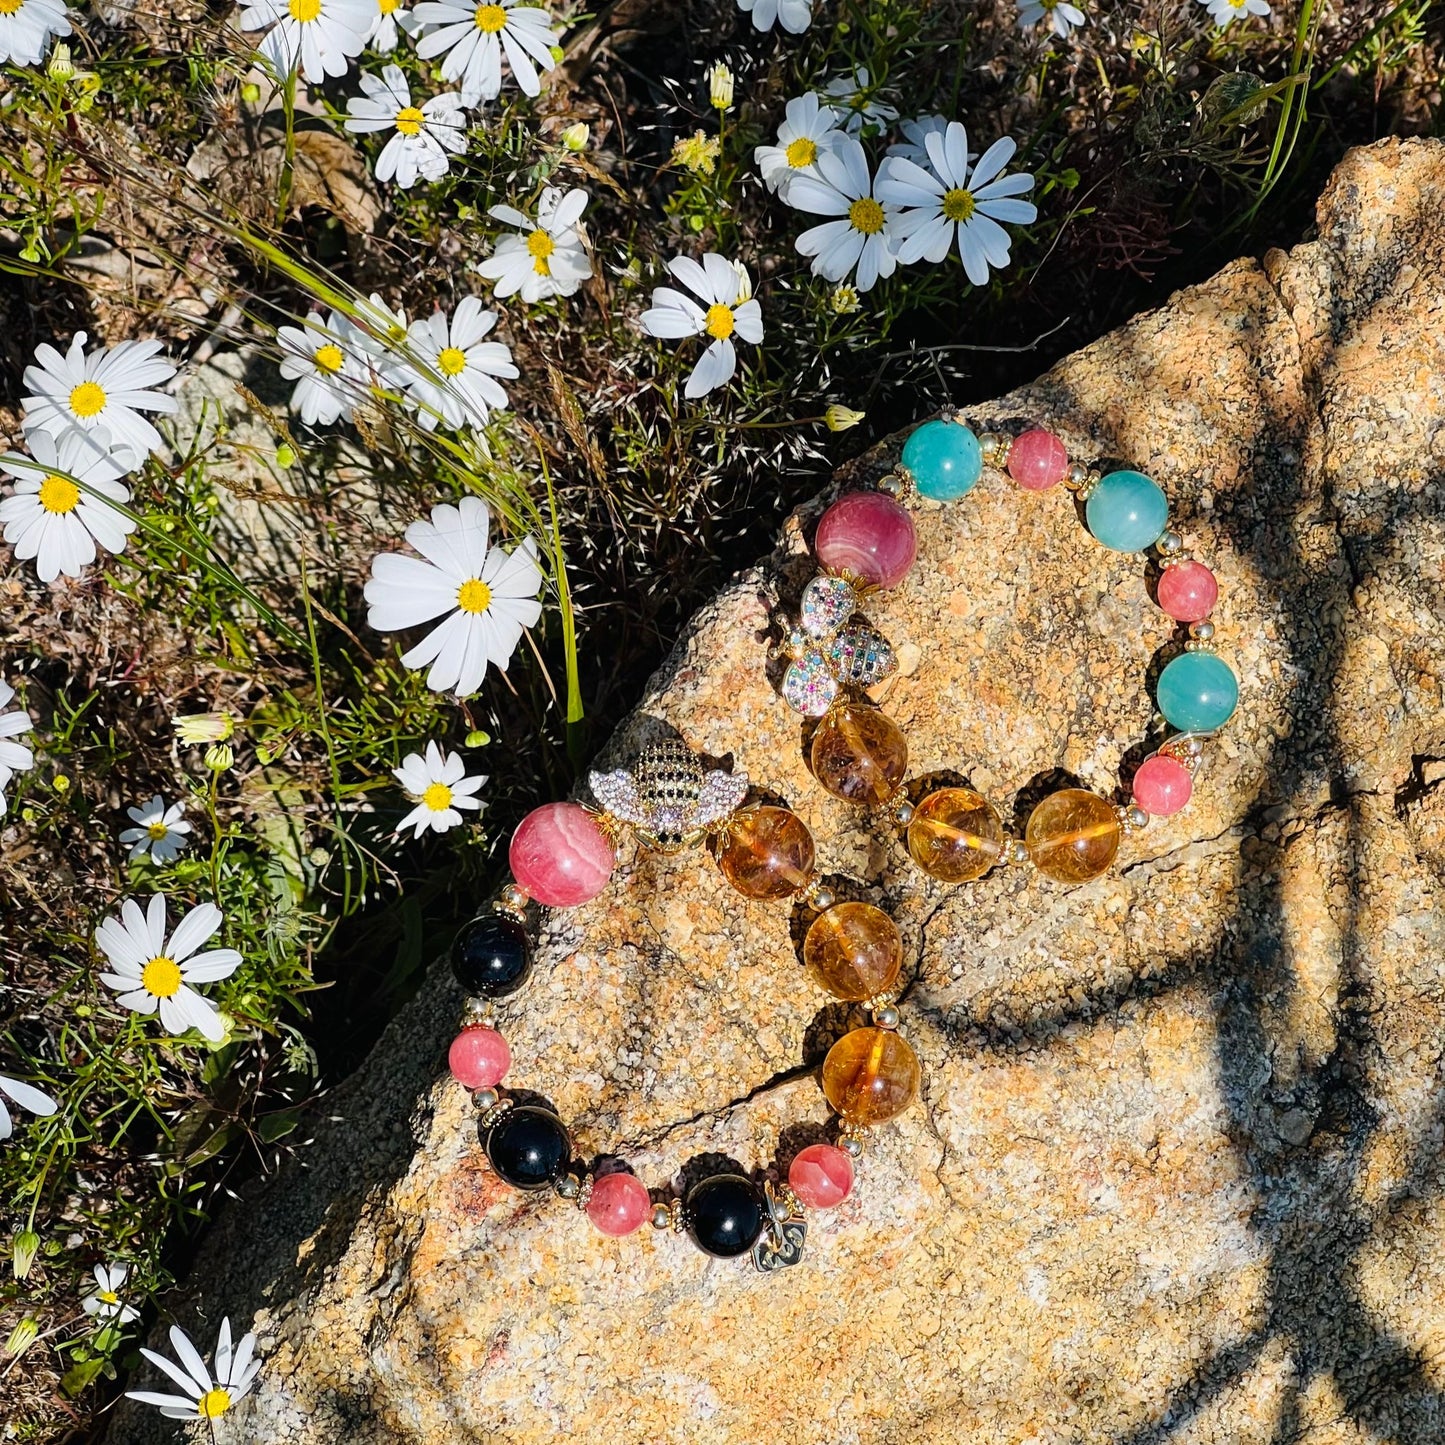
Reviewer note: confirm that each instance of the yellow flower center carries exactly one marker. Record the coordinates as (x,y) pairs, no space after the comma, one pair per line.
(59,496)
(801,152)
(305,11)
(474,595)
(387,6)
(541,245)
(107,1297)
(328,358)
(452,361)
(438,797)
(87,400)
(409,120)
(9,7)
(156,831)
(161,977)
(720,321)
(958,204)
(490,19)
(215,1402)
(866,215)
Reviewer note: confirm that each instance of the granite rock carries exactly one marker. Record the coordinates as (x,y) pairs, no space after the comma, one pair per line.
(1175,1175)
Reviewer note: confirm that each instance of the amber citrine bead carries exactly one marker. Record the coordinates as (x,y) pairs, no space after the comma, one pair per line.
(955,835)
(767,853)
(870,1076)
(854,950)
(859,754)
(1072,836)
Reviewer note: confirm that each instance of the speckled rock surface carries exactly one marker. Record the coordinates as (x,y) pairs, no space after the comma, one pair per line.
(1176,1173)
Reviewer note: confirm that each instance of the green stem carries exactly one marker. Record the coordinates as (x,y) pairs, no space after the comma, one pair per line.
(288,157)
(569,621)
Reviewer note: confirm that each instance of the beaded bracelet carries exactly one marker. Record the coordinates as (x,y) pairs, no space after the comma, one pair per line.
(866,541)
(562,854)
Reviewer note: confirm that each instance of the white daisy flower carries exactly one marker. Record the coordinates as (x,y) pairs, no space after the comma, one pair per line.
(473,38)
(548,259)
(424,134)
(205,1398)
(152,973)
(321,37)
(944,202)
(15,757)
(914,146)
(484,596)
(48,518)
(26,27)
(320,358)
(104,1302)
(374,340)
(467,365)
(160,830)
(386,28)
(107,389)
(727,307)
(1060,16)
(1224,12)
(438,784)
(28,1097)
(793,15)
(857,102)
(808,127)
(862,239)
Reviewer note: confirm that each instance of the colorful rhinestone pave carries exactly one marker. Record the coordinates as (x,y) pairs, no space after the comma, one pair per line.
(562,854)
(866,541)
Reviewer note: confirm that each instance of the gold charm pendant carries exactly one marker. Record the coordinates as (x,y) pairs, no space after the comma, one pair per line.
(668,798)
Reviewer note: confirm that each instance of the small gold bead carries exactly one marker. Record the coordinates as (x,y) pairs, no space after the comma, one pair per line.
(1076,476)
(890,485)
(485,1098)
(850,1141)
(1133,817)
(568,1186)
(1204,631)
(903,810)
(661,1216)
(1015,850)
(886,1017)
(818,896)
(995,449)
(1169,543)
(477,1011)
(512,899)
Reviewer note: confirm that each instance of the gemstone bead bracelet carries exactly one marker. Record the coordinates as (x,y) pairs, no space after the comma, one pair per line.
(562,854)
(866,541)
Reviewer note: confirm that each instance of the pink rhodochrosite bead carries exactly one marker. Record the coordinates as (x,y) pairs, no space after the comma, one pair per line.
(619,1204)
(1188,592)
(1162,785)
(869,535)
(821,1176)
(559,855)
(1037,460)
(479,1057)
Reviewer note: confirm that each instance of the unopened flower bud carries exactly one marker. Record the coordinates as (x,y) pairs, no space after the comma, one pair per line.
(575,137)
(720,86)
(220,757)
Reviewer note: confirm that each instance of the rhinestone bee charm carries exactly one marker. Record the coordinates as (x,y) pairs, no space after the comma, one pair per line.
(668,798)
(832,647)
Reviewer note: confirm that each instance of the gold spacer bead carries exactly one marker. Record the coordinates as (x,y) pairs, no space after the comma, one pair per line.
(1076,476)
(1169,544)
(1015,851)
(818,896)
(662,1216)
(478,1013)
(903,810)
(499,1108)
(995,448)
(850,1140)
(679,1217)
(1198,644)
(512,899)
(1131,817)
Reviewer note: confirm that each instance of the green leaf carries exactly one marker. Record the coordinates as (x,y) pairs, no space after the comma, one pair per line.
(79,1378)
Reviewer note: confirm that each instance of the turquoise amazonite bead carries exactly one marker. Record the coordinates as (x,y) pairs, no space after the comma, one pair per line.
(944,459)
(1127,512)
(1198,692)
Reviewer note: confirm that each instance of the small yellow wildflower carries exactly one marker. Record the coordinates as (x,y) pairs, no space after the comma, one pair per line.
(697,153)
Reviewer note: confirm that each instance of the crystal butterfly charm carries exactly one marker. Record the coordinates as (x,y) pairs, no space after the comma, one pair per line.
(668,798)
(832,647)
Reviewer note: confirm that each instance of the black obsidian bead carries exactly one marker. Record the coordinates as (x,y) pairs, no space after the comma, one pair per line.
(725,1215)
(492,955)
(528,1147)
